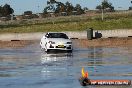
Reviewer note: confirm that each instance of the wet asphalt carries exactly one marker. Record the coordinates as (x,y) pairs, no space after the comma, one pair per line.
(29,67)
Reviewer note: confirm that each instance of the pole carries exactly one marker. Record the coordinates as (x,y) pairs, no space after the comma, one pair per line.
(102,14)
(102,11)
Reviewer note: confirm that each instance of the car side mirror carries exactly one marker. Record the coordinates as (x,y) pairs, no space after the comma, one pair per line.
(46,35)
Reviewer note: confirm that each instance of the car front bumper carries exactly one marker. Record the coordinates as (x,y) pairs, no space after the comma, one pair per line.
(59,47)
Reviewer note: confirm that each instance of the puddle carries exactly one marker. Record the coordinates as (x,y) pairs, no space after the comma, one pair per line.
(29,67)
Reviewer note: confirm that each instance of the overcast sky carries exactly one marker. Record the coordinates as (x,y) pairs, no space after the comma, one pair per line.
(37,6)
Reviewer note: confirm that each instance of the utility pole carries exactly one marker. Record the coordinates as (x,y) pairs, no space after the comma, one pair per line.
(102,11)
(38,7)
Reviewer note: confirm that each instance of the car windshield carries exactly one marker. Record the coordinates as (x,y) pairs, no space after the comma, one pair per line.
(57,35)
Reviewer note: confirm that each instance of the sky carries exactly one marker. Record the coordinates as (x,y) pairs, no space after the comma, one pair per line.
(37,6)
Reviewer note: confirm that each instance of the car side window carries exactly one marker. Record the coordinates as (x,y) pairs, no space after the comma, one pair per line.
(49,35)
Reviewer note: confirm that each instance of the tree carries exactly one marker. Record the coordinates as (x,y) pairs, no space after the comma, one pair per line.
(130,8)
(79,9)
(52,1)
(69,8)
(0,11)
(7,10)
(85,8)
(50,7)
(99,7)
(105,5)
(60,7)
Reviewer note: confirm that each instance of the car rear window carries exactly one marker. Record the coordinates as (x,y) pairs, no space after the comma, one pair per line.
(57,35)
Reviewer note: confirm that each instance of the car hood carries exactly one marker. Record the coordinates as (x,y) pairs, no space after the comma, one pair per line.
(59,40)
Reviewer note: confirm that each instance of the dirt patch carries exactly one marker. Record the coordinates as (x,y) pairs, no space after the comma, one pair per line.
(103,42)
(15,43)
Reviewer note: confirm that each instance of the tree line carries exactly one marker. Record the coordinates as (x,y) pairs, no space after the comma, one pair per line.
(59,7)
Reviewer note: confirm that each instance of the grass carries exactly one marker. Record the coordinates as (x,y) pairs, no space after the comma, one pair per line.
(70,23)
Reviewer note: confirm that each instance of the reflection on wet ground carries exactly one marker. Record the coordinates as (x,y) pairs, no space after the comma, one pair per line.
(29,67)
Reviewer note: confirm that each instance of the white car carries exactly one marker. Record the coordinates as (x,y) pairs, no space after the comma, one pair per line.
(56,41)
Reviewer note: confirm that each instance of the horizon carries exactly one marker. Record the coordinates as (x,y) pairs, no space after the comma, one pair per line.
(37,6)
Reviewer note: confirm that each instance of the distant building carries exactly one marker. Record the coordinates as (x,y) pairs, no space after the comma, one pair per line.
(74,12)
(5,18)
(63,13)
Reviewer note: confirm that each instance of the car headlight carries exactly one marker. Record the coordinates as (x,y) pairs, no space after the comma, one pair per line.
(69,42)
(51,42)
